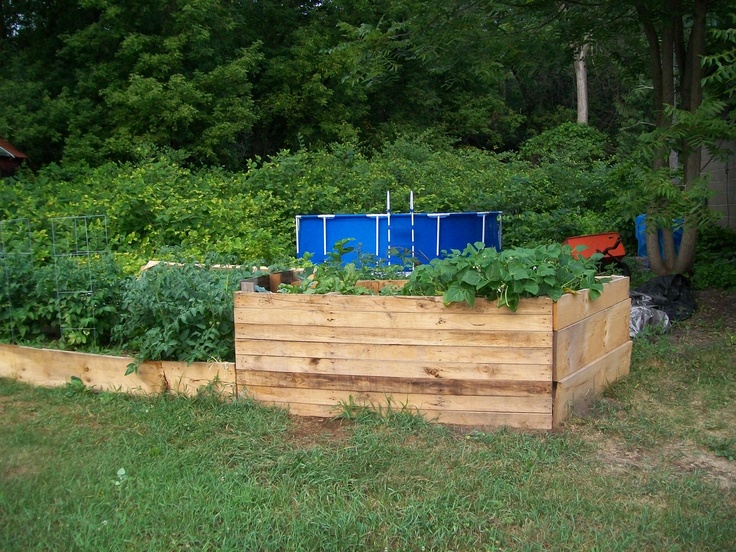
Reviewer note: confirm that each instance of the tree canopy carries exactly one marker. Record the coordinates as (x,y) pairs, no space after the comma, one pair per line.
(95,80)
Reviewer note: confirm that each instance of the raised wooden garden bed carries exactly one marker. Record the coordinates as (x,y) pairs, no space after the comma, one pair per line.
(475,366)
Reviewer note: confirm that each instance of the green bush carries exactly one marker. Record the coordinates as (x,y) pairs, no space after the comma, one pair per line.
(715,258)
(159,208)
(157,205)
(73,301)
(180,312)
(506,276)
(569,143)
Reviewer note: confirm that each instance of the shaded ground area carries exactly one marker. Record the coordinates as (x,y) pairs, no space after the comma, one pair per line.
(715,317)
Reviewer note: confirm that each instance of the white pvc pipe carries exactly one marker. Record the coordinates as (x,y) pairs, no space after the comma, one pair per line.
(324,231)
(377,217)
(411,210)
(438,216)
(388,229)
(298,219)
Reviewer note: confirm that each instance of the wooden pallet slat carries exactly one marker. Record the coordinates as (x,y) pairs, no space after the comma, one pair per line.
(578,344)
(331,397)
(378,353)
(407,336)
(576,392)
(47,367)
(389,303)
(396,368)
(512,388)
(355,318)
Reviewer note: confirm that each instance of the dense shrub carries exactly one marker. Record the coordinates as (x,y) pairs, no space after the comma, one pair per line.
(506,276)
(715,262)
(169,312)
(159,208)
(543,203)
(72,300)
(156,206)
(569,143)
(180,312)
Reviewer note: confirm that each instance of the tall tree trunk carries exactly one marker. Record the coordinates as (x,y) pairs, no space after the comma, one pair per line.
(674,62)
(581,82)
(692,98)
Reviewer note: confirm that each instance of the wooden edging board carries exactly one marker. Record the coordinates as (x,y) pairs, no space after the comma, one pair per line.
(48,367)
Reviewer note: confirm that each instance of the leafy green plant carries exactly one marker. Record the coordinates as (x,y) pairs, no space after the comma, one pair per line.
(506,276)
(715,265)
(180,312)
(336,276)
(569,143)
(89,293)
(461,276)
(74,301)
(75,386)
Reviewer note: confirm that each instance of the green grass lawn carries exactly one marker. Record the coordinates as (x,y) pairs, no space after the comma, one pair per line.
(652,468)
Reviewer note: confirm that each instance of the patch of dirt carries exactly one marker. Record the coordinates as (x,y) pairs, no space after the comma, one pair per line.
(714,318)
(680,457)
(617,455)
(691,460)
(20,410)
(307,431)
(22,463)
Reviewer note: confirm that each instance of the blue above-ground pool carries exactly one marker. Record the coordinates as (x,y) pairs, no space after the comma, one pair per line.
(425,236)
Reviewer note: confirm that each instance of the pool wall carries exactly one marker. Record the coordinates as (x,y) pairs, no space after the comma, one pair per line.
(425,236)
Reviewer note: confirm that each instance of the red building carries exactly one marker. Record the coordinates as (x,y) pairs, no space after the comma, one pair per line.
(10,158)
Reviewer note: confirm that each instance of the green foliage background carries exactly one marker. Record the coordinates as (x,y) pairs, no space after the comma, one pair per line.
(562,183)
(160,207)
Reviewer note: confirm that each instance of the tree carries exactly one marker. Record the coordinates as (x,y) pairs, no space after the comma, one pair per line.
(676,35)
(581,81)
(684,119)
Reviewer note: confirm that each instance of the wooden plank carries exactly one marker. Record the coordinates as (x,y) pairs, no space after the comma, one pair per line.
(397,368)
(375,286)
(576,392)
(249,284)
(407,353)
(430,320)
(270,282)
(490,420)
(391,385)
(575,306)
(395,303)
(581,343)
(479,420)
(49,368)
(329,397)
(406,336)
(189,379)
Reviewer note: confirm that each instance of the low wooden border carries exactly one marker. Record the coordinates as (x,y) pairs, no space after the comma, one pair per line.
(48,367)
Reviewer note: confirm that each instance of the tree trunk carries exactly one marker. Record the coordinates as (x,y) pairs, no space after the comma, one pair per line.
(581,82)
(675,61)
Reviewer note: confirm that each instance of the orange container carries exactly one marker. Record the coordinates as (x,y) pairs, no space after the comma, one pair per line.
(608,243)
